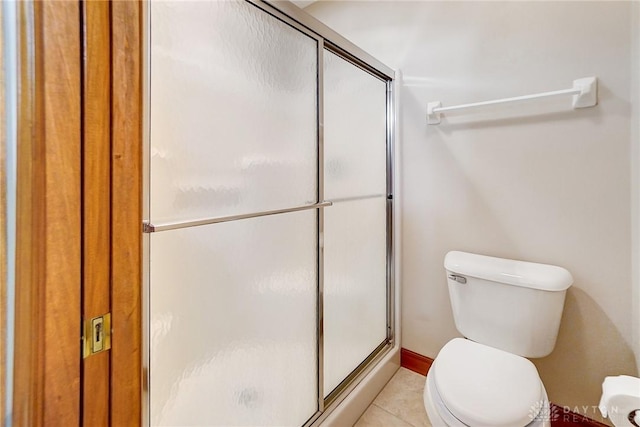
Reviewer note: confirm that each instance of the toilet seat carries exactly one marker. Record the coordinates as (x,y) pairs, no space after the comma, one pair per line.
(483,386)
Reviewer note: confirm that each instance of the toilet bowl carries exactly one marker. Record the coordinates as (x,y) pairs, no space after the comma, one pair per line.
(470,384)
(508,310)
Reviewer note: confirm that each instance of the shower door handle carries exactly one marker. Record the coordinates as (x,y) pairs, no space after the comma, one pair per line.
(147,227)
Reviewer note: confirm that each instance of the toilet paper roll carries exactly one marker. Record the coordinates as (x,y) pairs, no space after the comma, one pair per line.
(621,400)
(622,411)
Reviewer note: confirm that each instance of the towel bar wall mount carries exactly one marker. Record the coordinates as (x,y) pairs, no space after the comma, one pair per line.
(584,93)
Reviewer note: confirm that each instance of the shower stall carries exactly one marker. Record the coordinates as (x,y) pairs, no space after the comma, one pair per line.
(268,233)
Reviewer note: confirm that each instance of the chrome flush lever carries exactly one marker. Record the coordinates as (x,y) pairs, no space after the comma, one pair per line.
(459,279)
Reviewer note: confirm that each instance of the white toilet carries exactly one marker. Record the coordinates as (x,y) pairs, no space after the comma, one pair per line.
(507,310)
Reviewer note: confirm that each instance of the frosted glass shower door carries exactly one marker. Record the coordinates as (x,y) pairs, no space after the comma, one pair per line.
(233,135)
(233,117)
(233,323)
(355,227)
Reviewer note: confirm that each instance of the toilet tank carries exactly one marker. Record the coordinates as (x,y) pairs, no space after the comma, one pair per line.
(512,305)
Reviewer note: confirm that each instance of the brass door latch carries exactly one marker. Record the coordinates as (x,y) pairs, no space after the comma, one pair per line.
(97,335)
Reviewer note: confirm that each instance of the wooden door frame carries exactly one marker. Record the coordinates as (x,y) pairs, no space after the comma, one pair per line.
(126,212)
(79,132)
(96,195)
(47,323)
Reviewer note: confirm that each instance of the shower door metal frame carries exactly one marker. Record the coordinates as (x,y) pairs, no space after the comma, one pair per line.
(341,391)
(328,39)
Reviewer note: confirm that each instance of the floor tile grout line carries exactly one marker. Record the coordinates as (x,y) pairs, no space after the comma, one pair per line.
(383,410)
(393,415)
(415,392)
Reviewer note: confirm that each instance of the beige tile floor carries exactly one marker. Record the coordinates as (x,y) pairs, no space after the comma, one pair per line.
(399,404)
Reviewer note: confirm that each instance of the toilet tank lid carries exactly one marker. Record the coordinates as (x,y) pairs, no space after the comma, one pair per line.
(518,273)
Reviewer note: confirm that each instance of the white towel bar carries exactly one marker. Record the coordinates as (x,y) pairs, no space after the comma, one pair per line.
(584,93)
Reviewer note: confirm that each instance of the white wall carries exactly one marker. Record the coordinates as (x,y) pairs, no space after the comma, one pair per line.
(538,181)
